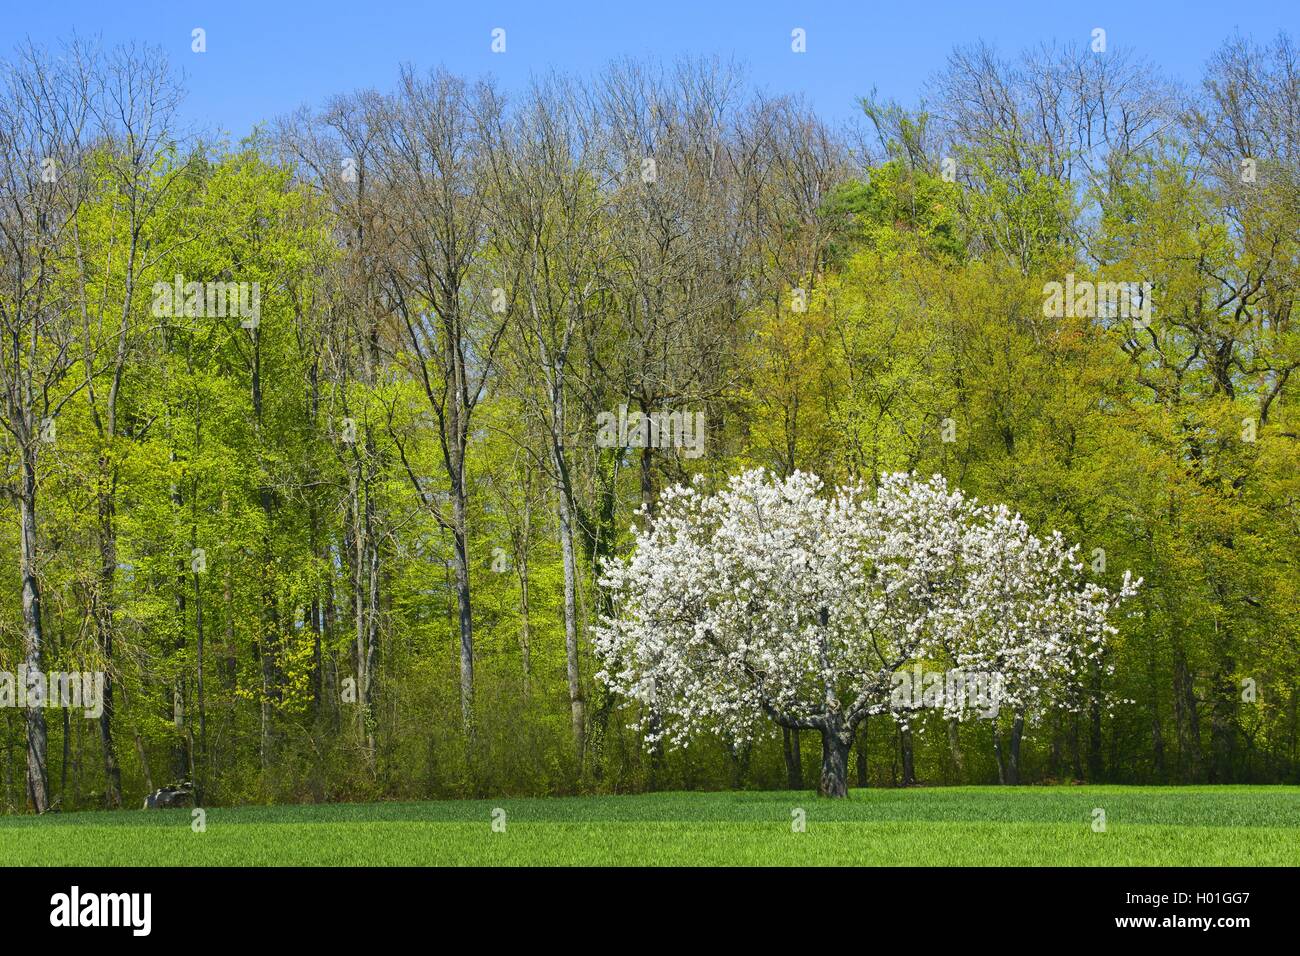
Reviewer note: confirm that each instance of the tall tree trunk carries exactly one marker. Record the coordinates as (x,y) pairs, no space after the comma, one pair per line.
(1153,688)
(229,663)
(647,475)
(330,678)
(268,636)
(200,780)
(67,751)
(793,760)
(556,363)
(1157,733)
(1095,768)
(863,779)
(9,760)
(144,762)
(577,713)
(77,752)
(371,643)
(1054,755)
(104,601)
(312,613)
(33,636)
(180,758)
(269,632)
(1013,761)
(909,763)
(525,629)
(954,747)
(356,550)
(997,753)
(1076,760)
(460,534)
(1186,717)
(597,529)
(1223,708)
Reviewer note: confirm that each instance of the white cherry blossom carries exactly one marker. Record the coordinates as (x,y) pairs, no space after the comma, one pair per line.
(772,601)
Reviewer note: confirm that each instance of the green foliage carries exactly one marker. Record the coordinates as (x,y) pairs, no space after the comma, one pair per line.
(305,459)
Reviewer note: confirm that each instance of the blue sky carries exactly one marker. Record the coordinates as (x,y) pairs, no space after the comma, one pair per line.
(266,58)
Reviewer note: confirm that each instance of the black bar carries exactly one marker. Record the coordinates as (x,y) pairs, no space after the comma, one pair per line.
(367,906)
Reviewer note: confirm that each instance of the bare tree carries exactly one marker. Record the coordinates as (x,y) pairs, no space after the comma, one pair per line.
(337,154)
(548,225)
(45,117)
(431,160)
(675,213)
(1055,113)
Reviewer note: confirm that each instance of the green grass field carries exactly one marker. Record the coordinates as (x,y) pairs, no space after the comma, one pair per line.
(959,826)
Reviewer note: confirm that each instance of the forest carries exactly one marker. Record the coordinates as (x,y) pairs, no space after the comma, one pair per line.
(316,443)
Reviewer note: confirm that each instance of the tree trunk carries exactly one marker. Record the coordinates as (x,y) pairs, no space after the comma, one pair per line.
(144,762)
(1223,708)
(363,547)
(200,780)
(67,753)
(1153,688)
(1095,768)
(1186,717)
(180,759)
(997,753)
(863,780)
(33,636)
(313,612)
(834,781)
(104,601)
(355,548)
(229,663)
(556,363)
(372,610)
(1013,762)
(460,534)
(576,704)
(909,763)
(596,529)
(1076,764)
(954,745)
(1054,755)
(647,474)
(793,762)
(269,635)
(76,765)
(525,631)
(522,560)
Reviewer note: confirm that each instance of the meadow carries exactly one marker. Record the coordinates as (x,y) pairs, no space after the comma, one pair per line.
(964,826)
